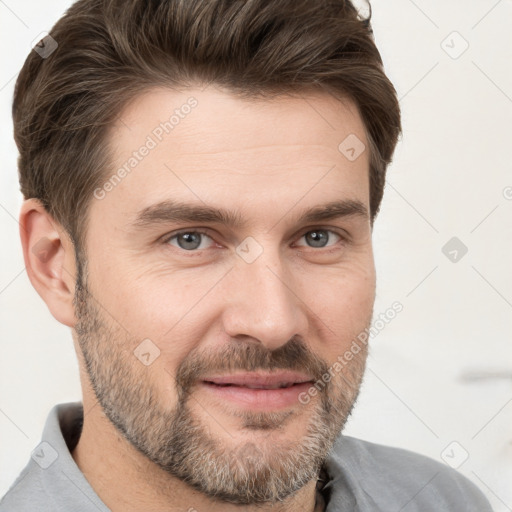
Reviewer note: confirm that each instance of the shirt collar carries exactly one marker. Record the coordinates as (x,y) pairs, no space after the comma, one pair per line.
(62,431)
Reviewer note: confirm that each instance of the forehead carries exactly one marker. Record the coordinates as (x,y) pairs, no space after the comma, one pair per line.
(212,146)
(215,119)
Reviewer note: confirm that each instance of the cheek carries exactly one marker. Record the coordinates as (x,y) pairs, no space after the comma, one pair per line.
(341,302)
(148,301)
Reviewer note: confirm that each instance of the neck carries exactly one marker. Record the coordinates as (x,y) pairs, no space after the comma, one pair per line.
(125,480)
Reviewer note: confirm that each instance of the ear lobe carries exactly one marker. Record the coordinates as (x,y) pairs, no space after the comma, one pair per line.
(49,260)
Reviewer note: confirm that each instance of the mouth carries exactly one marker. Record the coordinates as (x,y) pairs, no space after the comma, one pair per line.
(259,390)
(254,380)
(268,386)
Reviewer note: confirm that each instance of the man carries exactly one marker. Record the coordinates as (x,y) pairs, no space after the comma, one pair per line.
(201,180)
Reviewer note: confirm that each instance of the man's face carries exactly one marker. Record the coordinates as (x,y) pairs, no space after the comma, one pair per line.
(184,325)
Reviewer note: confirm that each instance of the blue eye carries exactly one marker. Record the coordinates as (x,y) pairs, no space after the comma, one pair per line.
(188,240)
(319,237)
(191,241)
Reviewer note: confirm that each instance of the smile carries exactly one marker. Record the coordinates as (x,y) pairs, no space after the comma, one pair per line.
(259,391)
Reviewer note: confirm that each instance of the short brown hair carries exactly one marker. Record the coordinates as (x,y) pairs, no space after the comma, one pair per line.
(109,51)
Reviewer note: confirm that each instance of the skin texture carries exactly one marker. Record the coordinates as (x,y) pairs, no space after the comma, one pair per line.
(149,429)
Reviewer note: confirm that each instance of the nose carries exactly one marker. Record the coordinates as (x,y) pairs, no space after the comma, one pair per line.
(262,303)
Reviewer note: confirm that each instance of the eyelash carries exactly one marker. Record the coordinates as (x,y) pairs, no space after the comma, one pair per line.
(328,249)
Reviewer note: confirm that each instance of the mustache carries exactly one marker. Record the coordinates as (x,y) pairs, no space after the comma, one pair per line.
(249,356)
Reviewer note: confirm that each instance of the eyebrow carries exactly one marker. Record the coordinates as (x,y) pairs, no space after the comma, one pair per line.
(176,211)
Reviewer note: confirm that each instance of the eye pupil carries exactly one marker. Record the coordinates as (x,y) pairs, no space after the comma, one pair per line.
(319,238)
(190,238)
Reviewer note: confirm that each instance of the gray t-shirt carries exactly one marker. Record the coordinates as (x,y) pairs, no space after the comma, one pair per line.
(361,477)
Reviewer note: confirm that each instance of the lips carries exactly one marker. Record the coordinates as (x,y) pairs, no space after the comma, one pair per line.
(254,380)
(276,386)
(257,391)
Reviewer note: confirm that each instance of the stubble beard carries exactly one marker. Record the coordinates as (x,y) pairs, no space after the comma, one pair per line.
(182,445)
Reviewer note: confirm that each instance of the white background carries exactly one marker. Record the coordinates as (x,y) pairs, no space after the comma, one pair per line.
(426,385)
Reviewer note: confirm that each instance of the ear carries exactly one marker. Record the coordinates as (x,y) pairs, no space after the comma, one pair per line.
(49,260)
